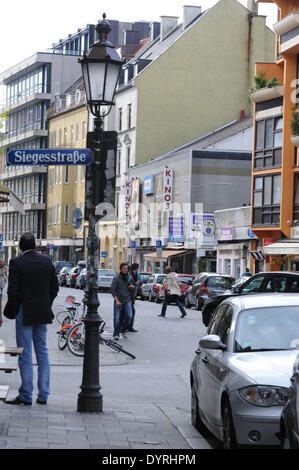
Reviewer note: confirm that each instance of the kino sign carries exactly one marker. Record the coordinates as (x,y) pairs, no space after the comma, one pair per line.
(49,157)
(167,188)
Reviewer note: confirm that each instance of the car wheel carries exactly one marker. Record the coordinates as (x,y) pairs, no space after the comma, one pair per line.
(199,303)
(195,418)
(186,302)
(285,441)
(229,435)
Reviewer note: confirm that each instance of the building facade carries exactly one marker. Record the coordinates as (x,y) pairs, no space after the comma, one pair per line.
(275,167)
(30,87)
(68,124)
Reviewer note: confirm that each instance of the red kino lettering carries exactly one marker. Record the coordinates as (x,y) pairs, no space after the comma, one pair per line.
(167,188)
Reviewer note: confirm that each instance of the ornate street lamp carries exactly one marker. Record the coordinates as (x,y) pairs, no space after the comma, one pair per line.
(101,68)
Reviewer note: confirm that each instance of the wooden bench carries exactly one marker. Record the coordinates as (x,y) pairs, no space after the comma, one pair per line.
(12,351)
(3,392)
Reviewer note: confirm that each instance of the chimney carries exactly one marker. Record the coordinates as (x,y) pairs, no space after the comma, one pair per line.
(252,7)
(190,12)
(168,23)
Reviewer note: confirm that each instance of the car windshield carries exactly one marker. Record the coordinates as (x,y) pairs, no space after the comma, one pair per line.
(186,279)
(267,328)
(240,281)
(224,282)
(106,272)
(160,279)
(144,277)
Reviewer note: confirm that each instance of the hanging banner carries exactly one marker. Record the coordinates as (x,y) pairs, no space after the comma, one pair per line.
(127,198)
(167,188)
(134,212)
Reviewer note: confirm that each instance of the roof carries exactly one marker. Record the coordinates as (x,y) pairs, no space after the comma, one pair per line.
(273,299)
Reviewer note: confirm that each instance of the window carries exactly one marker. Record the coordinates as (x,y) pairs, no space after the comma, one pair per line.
(75,173)
(120,116)
(65,136)
(118,162)
(266,200)
(84,131)
(129,115)
(66,214)
(66,175)
(256,284)
(72,134)
(77,133)
(268,143)
(55,214)
(82,173)
(128,158)
(58,214)
(60,138)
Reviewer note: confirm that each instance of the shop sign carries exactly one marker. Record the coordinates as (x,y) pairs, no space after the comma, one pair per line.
(277,260)
(148,185)
(269,241)
(167,188)
(250,234)
(176,229)
(134,213)
(128,197)
(226,233)
(294,232)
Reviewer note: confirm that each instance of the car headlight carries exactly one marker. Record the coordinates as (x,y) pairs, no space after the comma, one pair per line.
(265,395)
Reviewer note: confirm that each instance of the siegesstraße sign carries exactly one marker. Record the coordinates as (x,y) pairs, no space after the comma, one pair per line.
(49,157)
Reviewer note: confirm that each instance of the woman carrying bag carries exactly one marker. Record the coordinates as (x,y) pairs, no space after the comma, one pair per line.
(172,292)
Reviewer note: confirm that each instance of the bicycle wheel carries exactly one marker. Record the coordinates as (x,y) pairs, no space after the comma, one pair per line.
(76,339)
(117,347)
(60,316)
(63,333)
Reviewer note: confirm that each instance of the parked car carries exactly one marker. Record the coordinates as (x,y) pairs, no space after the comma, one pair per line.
(61,276)
(149,288)
(143,278)
(204,286)
(72,275)
(185,281)
(81,279)
(240,374)
(61,264)
(105,278)
(289,422)
(274,281)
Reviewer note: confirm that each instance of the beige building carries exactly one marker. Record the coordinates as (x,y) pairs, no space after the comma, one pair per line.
(68,121)
(201,80)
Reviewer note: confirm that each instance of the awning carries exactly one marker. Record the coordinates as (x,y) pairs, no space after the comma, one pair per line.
(165,255)
(257,255)
(282,248)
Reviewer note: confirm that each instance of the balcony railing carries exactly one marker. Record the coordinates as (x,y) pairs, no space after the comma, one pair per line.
(288,30)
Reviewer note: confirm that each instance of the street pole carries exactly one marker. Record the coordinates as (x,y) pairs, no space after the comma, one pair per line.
(90,398)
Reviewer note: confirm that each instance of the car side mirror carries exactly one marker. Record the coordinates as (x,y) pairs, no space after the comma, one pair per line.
(212,342)
(236,290)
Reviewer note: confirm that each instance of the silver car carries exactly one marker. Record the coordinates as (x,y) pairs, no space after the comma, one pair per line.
(241,371)
(105,278)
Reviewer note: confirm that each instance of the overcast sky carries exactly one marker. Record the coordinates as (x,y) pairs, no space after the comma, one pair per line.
(29,26)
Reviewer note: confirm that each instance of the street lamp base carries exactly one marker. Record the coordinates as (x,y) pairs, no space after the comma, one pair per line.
(90,404)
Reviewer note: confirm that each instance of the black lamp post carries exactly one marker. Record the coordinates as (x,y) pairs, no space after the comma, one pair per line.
(101,68)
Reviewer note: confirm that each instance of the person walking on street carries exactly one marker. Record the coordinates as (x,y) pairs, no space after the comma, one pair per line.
(121,288)
(32,288)
(172,292)
(3,280)
(134,277)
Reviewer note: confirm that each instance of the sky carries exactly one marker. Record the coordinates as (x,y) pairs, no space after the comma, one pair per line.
(32,26)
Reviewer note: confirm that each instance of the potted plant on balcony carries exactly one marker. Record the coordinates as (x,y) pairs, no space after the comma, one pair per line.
(295,127)
(265,90)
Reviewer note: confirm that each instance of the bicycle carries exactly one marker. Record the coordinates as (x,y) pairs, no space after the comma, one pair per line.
(71,317)
(76,341)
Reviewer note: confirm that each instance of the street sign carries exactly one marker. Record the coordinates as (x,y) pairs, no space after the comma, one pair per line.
(49,157)
(1,245)
(158,243)
(77,218)
(104,254)
(1,237)
(133,244)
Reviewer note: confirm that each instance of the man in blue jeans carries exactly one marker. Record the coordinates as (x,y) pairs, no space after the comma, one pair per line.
(121,292)
(32,288)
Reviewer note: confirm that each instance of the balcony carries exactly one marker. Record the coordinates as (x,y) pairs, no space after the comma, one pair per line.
(288,30)
(267,94)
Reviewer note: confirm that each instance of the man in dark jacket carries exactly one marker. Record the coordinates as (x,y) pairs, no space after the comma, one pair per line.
(32,288)
(133,276)
(121,292)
